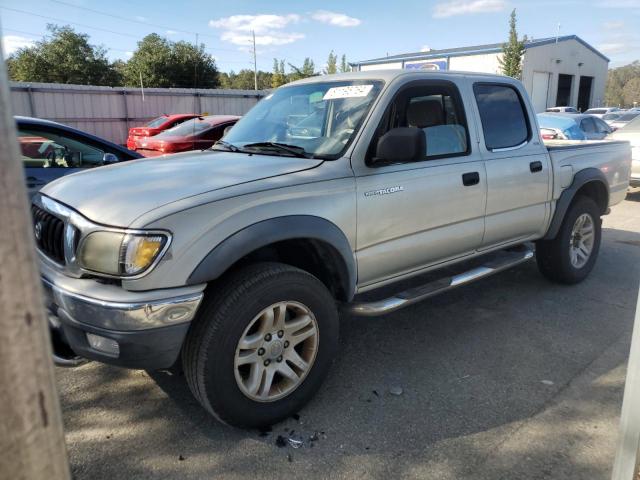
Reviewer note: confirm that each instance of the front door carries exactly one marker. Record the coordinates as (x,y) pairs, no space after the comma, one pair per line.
(413,215)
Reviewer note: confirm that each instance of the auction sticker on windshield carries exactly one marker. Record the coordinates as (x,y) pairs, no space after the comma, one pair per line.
(349,91)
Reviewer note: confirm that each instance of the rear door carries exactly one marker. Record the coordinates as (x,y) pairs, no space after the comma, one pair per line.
(517,165)
(416,214)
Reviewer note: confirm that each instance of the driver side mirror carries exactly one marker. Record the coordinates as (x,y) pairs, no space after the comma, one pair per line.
(401,145)
(109,158)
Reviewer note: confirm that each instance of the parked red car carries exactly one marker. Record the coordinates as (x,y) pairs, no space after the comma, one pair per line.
(156,126)
(195,134)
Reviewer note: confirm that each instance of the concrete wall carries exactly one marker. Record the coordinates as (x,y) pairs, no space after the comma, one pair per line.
(570,53)
(110,112)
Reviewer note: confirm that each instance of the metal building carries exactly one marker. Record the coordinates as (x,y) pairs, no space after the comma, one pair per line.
(558,71)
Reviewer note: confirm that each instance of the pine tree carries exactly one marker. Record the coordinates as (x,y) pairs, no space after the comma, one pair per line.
(344,66)
(278,77)
(332,63)
(513,51)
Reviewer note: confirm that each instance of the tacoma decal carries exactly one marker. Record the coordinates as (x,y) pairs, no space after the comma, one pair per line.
(384,191)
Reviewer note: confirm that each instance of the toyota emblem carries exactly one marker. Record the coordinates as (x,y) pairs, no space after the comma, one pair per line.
(38,230)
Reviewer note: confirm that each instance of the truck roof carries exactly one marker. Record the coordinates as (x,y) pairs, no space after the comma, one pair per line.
(389,75)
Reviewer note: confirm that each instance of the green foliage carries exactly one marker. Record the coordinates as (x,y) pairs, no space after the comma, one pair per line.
(244,80)
(163,63)
(623,86)
(512,51)
(308,69)
(65,57)
(344,66)
(332,63)
(278,77)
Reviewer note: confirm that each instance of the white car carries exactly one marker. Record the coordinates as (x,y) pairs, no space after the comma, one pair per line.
(631,133)
(561,110)
(623,120)
(602,111)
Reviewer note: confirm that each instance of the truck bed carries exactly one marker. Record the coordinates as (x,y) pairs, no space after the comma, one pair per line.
(611,157)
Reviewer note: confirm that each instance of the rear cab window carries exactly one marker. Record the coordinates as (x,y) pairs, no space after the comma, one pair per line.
(504,118)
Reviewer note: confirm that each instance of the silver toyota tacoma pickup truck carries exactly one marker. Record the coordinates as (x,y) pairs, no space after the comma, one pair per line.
(328,196)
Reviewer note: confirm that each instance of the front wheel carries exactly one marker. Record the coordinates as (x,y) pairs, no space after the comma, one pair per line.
(570,257)
(261,345)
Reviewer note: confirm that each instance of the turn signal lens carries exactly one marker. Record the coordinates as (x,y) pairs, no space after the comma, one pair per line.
(140,252)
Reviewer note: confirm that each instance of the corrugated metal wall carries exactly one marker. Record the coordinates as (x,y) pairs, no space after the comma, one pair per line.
(109,112)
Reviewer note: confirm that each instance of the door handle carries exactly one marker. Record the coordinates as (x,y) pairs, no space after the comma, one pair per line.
(535,166)
(470,178)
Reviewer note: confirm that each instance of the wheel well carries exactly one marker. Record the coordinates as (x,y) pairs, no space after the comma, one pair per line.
(598,192)
(313,256)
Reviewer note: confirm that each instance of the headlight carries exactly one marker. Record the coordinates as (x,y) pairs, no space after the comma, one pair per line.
(121,254)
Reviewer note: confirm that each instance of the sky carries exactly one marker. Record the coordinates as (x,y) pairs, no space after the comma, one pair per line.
(292,30)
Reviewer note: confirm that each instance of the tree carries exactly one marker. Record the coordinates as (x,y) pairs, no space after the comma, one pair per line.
(278,76)
(163,63)
(66,57)
(243,80)
(512,51)
(332,63)
(631,92)
(616,82)
(308,69)
(344,66)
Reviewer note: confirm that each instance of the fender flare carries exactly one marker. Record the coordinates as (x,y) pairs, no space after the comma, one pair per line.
(580,179)
(270,231)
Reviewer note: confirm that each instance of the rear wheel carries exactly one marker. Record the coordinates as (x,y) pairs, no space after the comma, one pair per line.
(261,345)
(570,257)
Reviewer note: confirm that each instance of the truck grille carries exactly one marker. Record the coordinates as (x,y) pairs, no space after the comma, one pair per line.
(49,233)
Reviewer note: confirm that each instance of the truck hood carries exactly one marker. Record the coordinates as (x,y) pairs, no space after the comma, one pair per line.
(116,195)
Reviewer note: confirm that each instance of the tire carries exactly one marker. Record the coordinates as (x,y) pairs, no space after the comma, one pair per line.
(232,310)
(554,257)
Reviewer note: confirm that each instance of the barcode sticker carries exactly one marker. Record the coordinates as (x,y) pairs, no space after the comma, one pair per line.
(349,91)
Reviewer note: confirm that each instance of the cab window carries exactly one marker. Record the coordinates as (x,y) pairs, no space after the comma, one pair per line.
(436,109)
(40,148)
(503,116)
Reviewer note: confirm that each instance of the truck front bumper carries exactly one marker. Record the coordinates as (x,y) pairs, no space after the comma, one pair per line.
(106,323)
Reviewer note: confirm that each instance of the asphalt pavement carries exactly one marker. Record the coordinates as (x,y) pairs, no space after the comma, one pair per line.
(511,377)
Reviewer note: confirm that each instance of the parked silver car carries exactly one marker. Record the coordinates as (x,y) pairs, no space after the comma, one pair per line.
(601,111)
(624,119)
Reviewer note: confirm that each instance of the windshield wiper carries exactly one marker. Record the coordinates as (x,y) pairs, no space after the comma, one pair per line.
(283,147)
(226,145)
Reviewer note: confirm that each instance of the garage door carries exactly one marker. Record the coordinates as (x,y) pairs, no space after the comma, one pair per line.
(540,91)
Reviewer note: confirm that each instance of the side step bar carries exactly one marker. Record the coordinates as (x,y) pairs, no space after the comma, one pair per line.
(502,261)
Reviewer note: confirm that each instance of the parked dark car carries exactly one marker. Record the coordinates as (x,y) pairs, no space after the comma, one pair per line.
(156,126)
(195,134)
(50,150)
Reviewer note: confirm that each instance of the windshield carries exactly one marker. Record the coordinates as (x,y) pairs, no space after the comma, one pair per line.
(322,118)
(190,127)
(596,111)
(156,122)
(611,116)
